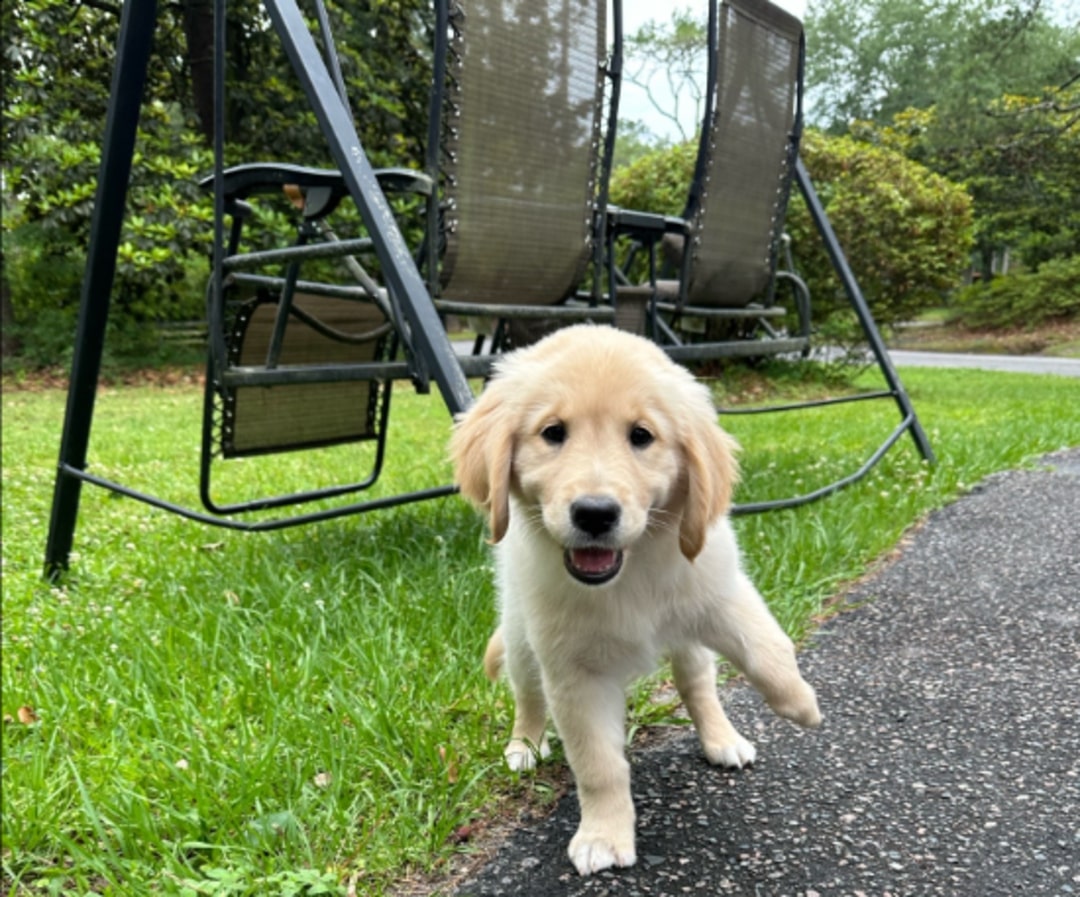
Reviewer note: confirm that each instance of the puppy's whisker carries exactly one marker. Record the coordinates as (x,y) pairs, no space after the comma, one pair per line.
(664,521)
(533,519)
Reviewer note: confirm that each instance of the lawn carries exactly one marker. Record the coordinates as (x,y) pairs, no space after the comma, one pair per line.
(197,711)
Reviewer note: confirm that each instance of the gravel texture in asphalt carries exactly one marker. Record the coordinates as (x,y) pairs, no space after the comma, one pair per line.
(949,760)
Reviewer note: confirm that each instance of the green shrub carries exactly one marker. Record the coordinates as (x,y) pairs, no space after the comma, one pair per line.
(906,231)
(43,271)
(44,277)
(166,229)
(46,341)
(656,182)
(1028,299)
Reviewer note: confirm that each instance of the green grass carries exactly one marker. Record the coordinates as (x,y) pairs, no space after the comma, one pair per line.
(303,711)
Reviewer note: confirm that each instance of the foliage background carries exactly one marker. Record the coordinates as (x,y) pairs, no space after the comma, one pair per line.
(54,110)
(985,93)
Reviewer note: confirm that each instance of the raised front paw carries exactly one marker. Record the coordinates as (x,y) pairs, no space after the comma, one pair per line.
(521,755)
(593,851)
(736,752)
(797,703)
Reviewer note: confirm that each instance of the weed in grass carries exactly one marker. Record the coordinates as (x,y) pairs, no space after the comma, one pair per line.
(219,713)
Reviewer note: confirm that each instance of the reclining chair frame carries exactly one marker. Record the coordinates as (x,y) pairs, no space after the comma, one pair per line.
(321,190)
(428,354)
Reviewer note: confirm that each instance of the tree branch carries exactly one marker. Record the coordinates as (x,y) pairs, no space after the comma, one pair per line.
(1025,20)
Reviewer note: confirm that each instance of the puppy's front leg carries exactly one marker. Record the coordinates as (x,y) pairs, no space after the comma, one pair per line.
(529,742)
(589,713)
(747,634)
(695,677)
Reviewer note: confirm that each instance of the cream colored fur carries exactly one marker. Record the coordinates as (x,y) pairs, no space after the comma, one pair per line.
(562,421)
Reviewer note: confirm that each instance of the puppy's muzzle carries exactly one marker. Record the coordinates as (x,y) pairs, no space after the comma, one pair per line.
(594,518)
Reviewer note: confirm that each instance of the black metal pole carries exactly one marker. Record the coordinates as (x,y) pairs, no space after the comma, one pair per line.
(862,310)
(137,22)
(427,336)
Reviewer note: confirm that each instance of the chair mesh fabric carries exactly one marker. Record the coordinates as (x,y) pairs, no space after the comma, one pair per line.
(522,149)
(262,419)
(748,171)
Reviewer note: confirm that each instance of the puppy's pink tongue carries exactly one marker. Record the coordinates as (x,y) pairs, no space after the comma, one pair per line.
(594,560)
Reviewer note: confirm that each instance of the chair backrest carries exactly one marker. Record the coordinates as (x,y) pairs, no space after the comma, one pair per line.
(746,159)
(521,157)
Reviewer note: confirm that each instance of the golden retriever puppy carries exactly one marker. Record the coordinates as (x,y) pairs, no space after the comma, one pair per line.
(606,479)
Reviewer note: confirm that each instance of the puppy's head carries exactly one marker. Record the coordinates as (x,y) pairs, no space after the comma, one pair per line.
(601,439)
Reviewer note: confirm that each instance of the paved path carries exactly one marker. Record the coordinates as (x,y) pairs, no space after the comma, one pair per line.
(949,762)
(1027,364)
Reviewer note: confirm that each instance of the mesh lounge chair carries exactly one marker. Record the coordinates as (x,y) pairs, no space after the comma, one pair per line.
(734,215)
(521,153)
(317,356)
(327,339)
(726,247)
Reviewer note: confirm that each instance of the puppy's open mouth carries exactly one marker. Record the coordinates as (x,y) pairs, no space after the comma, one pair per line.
(593,566)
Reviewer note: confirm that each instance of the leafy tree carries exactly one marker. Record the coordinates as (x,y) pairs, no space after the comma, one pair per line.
(1022,176)
(871,60)
(57,68)
(984,92)
(667,62)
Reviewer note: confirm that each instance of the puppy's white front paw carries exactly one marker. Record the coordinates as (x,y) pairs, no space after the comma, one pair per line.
(594,852)
(798,704)
(521,755)
(737,753)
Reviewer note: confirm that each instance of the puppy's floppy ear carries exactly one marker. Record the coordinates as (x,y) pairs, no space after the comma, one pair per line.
(482,449)
(711,474)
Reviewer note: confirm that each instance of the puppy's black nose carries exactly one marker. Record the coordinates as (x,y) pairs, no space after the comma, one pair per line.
(595,515)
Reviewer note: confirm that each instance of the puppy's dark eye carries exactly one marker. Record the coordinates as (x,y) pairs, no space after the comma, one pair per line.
(554,434)
(640,437)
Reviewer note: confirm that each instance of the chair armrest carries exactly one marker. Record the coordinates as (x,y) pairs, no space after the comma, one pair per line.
(646,227)
(646,231)
(242,181)
(322,188)
(404,180)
